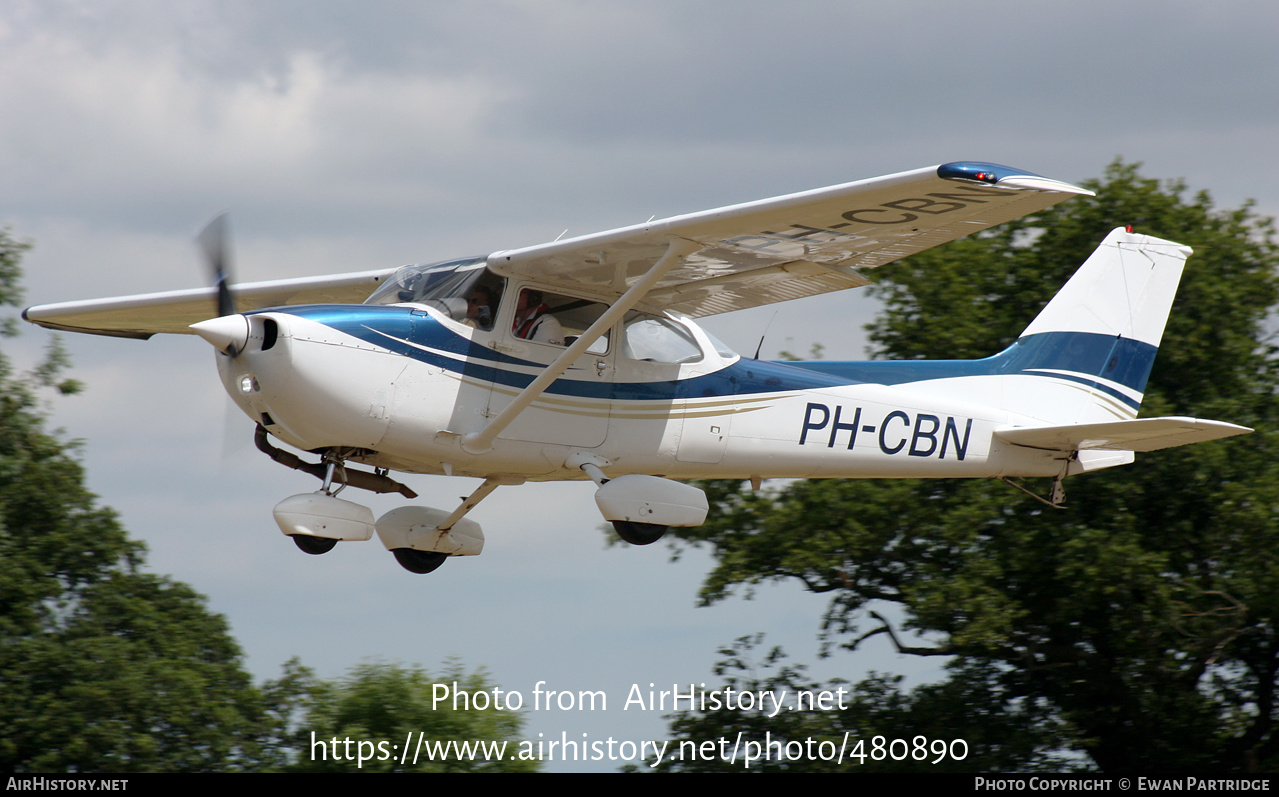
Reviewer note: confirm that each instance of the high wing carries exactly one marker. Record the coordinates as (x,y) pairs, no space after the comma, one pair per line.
(730,258)
(144,315)
(792,246)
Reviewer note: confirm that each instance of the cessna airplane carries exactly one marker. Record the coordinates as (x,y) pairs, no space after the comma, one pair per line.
(579,359)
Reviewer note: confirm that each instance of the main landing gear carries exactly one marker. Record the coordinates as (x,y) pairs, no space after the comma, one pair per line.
(416,561)
(313,545)
(642,508)
(639,533)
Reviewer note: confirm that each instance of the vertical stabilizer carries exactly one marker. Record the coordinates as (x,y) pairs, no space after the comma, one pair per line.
(1094,344)
(1124,289)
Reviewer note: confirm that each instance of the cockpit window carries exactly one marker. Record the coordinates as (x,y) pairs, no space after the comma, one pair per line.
(557,319)
(464,290)
(655,339)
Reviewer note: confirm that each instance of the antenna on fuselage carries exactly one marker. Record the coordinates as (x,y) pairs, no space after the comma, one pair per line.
(761,337)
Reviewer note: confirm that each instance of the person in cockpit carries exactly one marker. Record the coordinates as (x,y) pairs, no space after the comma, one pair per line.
(479,309)
(533,320)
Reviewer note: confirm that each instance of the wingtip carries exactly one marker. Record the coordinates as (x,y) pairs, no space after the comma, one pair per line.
(1035,182)
(1006,177)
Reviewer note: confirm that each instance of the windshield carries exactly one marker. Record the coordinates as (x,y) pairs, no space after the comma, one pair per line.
(463,290)
(659,340)
(721,348)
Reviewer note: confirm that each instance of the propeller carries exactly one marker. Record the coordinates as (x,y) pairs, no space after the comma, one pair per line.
(214,240)
(228,331)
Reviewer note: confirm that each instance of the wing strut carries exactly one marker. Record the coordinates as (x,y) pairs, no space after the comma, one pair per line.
(469,502)
(481,442)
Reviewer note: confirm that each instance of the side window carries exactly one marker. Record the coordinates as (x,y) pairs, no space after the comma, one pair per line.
(655,339)
(556,319)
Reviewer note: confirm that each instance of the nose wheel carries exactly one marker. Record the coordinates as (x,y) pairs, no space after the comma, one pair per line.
(639,533)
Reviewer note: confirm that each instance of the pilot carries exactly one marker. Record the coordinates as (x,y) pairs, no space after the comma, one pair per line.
(533,321)
(479,309)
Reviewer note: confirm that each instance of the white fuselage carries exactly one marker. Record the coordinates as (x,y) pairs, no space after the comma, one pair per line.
(400,386)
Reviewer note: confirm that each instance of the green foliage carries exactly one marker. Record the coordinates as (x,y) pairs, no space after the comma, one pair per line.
(1145,615)
(383,705)
(1000,731)
(741,672)
(102,667)
(11,252)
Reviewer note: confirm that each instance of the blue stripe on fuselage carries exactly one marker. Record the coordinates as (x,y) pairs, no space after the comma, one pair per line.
(1126,362)
(399,328)
(1120,360)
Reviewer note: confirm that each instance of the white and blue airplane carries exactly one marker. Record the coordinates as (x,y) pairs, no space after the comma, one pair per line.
(579,359)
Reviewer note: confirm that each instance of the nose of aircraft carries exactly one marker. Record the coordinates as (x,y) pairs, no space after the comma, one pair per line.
(228,333)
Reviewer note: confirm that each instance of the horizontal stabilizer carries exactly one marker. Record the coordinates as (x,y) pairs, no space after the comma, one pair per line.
(1142,434)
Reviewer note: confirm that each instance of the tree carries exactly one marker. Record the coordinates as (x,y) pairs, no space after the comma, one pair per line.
(1144,616)
(103,667)
(363,723)
(1018,734)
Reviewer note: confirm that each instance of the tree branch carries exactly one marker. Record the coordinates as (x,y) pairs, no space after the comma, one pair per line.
(911,649)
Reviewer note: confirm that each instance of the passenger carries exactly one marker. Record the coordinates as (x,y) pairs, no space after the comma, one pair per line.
(533,322)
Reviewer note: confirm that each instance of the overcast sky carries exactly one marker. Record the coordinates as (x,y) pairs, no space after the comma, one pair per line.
(347,136)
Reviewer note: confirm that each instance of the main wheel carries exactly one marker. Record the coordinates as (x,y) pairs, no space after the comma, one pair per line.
(416,561)
(639,533)
(313,545)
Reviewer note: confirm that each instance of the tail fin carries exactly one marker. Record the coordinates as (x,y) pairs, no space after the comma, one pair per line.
(1080,369)
(1087,355)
